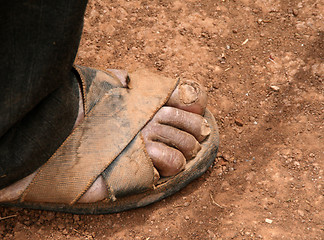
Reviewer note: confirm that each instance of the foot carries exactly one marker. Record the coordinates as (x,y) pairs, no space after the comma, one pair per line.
(172,138)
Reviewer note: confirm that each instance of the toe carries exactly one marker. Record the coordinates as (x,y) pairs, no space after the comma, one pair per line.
(167,160)
(189,122)
(189,96)
(96,192)
(173,137)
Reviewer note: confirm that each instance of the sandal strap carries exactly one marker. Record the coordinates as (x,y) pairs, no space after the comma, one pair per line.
(96,83)
(106,131)
(131,172)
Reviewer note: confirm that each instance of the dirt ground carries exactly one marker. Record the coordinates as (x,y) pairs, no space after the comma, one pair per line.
(262,63)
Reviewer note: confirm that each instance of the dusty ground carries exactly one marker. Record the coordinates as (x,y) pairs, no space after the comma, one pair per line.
(262,62)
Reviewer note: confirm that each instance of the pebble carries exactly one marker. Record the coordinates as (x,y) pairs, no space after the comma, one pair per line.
(297,164)
(60,226)
(267,220)
(238,130)
(275,88)
(187,217)
(226,156)
(301,213)
(225,186)
(211,235)
(49,216)
(238,122)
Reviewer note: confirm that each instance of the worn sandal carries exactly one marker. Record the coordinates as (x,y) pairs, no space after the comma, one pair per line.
(108,143)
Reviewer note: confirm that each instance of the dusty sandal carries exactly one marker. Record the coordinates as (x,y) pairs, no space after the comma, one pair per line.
(108,143)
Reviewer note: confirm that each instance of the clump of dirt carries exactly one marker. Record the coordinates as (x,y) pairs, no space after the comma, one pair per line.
(262,63)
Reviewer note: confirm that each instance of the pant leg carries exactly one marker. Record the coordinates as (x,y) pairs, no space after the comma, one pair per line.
(38,92)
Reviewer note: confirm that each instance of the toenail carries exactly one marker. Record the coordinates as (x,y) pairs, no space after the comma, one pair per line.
(189,92)
(205,129)
(195,150)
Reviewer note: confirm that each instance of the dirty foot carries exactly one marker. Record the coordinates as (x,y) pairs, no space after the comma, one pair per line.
(172,137)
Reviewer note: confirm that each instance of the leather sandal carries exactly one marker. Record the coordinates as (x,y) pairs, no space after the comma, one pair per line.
(109,143)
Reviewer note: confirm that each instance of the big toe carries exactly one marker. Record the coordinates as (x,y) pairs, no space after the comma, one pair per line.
(189,96)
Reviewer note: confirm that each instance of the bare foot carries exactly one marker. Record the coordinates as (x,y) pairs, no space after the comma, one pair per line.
(172,137)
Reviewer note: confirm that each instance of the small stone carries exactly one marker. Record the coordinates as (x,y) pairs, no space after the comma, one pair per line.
(225,186)
(301,213)
(234,30)
(238,122)
(275,88)
(222,162)
(49,216)
(295,12)
(215,85)
(297,164)
(211,235)
(65,232)
(187,217)
(286,152)
(254,10)
(60,226)
(267,220)
(238,130)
